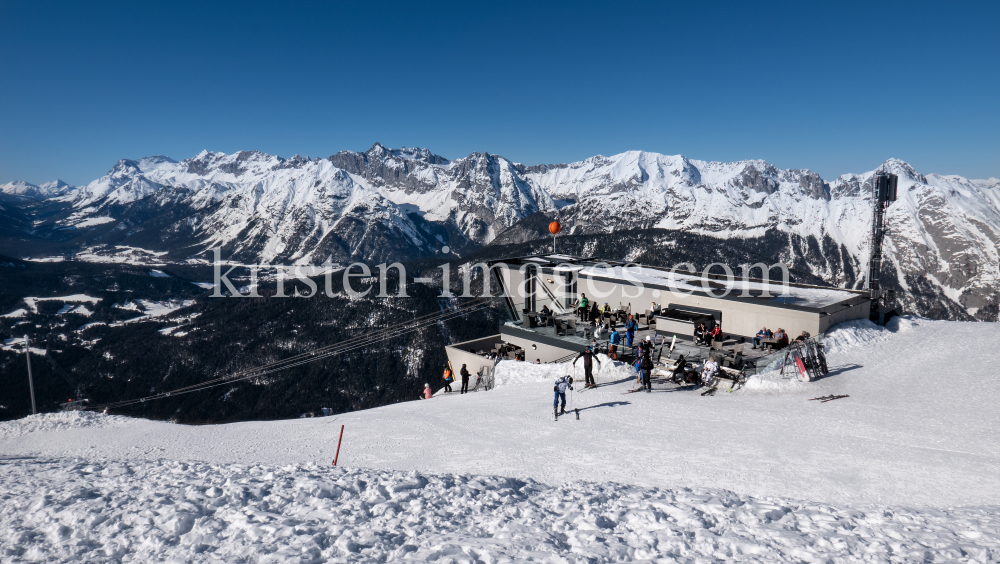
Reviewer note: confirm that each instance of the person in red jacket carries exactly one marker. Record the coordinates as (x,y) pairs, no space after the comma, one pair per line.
(428,394)
(715,334)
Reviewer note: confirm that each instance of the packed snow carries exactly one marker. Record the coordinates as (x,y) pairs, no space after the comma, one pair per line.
(93,221)
(151,309)
(32,302)
(907,468)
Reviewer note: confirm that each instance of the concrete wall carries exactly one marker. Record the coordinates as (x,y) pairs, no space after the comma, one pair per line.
(458,354)
(544,350)
(856,311)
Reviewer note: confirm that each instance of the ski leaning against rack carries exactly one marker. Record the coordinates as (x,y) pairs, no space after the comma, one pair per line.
(810,345)
(800,364)
(817,350)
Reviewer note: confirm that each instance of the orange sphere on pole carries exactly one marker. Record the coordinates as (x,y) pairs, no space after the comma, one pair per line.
(554,227)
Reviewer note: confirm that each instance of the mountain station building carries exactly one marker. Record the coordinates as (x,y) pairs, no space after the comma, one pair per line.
(682,298)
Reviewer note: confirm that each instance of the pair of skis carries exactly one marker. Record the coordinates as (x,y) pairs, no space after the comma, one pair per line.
(825,399)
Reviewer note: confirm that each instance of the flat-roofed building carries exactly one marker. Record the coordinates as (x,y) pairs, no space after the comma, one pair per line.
(741,306)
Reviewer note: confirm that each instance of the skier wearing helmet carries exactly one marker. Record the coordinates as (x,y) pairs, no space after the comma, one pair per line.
(562,384)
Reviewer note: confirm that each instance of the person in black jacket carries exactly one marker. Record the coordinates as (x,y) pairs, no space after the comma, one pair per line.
(465,379)
(678,375)
(646,362)
(588,366)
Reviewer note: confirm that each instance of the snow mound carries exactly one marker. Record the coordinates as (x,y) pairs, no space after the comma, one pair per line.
(773,382)
(158,511)
(854,334)
(59,421)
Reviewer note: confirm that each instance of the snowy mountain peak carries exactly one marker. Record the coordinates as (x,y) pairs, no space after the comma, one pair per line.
(54,187)
(22,189)
(236,164)
(154,162)
(902,169)
(418,154)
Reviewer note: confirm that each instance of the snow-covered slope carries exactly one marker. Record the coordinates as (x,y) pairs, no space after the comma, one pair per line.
(407,203)
(905,469)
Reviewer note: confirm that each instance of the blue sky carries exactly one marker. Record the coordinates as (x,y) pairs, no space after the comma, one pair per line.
(835,88)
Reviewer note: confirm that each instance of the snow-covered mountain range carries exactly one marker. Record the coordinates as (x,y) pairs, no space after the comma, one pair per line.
(392,204)
(21,189)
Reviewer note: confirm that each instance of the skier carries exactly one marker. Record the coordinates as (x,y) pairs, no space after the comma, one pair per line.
(560,394)
(630,328)
(646,362)
(448,378)
(465,378)
(708,371)
(599,329)
(613,341)
(428,394)
(588,366)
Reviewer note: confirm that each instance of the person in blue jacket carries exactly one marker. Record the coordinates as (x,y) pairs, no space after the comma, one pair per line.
(630,328)
(614,340)
(764,333)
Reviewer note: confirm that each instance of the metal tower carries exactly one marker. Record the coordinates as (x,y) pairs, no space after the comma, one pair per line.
(883,193)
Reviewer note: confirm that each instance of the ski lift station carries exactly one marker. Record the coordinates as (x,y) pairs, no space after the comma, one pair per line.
(682,301)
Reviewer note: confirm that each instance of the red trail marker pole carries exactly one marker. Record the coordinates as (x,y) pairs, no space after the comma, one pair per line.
(336,456)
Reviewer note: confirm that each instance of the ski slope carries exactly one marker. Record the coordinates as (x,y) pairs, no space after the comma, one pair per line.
(905,469)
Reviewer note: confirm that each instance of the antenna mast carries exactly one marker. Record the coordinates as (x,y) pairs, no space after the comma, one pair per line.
(883,193)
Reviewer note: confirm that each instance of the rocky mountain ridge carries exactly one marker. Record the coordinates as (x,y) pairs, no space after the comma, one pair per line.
(398,204)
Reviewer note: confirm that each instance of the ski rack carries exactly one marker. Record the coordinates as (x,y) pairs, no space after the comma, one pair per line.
(813,357)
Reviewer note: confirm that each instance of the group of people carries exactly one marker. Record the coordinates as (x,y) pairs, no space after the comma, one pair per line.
(779,337)
(705,336)
(615,338)
(448,378)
